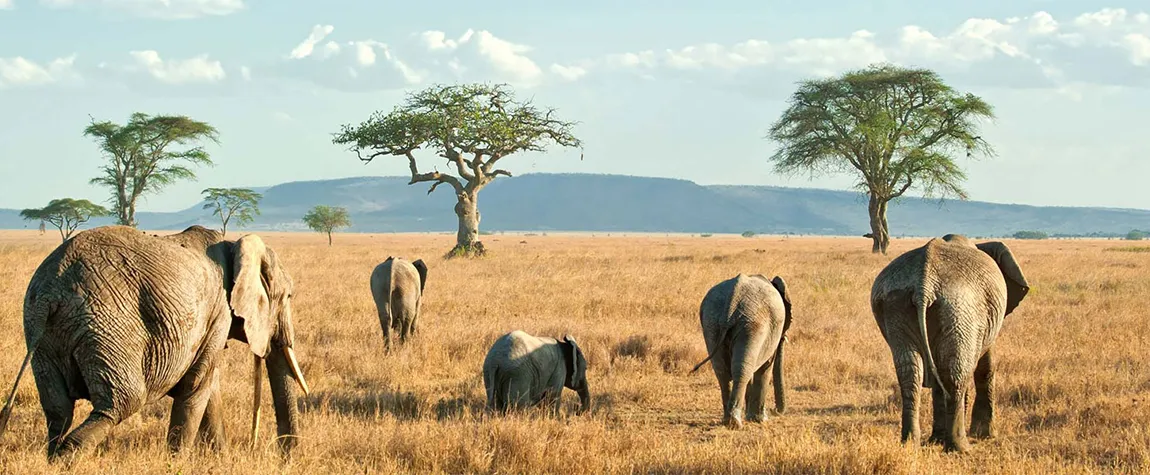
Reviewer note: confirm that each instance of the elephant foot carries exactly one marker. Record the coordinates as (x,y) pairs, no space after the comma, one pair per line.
(960,446)
(936,439)
(981,430)
(757,418)
(735,420)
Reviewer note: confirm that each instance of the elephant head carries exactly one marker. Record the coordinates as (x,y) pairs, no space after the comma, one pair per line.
(777,369)
(576,365)
(1016,285)
(260,299)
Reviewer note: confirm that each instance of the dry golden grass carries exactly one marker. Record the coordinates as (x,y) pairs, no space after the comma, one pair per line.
(1073,387)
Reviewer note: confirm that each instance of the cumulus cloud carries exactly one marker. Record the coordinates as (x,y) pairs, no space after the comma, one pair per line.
(307,46)
(22,72)
(1108,47)
(161,9)
(198,69)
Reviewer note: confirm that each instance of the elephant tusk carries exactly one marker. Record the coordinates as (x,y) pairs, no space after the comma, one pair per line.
(257,385)
(295,371)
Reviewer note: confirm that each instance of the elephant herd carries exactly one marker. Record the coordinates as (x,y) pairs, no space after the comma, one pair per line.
(122,319)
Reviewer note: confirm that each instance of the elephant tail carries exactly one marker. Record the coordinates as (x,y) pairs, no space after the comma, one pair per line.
(921,304)
(6,413)
(718,344)
(39,310)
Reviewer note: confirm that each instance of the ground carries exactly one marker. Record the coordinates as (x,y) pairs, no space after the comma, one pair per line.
(1073,388)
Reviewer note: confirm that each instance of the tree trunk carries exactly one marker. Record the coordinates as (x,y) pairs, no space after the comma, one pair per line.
(329,238)
(467,242)
(880,235)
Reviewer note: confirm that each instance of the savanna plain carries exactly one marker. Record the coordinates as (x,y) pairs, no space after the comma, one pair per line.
(1073,384)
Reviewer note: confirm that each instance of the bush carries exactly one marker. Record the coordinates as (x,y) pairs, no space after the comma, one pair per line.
(748,234)
(1030,235)
(705,235)
(1135,235)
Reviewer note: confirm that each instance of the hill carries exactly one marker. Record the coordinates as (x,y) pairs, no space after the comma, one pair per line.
(615,203)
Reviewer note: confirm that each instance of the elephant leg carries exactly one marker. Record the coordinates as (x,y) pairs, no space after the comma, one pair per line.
(940,426)
(58,407)
(955,440)
(385,323)
(982,417)
(909,370)
(212,424)
(721,364)
(757,395)
(188,408)
(91,432)
(741,374)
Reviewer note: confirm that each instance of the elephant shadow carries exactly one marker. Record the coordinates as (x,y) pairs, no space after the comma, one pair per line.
(848,409)
(403,405)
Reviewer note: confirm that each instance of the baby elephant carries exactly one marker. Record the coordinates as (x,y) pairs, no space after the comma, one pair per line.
(523,370)
(397,287)
(745,321)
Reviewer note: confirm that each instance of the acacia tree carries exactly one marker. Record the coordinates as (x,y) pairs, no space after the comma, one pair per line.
(896,128)
(227,203)
(141,158)
(66,214)
(325,219)
(472,127)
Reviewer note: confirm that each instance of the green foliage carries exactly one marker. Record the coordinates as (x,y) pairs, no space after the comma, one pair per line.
(706,235)
(325,219)
(66,214)
(1030,235)
(1137,249)
(242,204)
(1135,235)
(748,234)
(141,158)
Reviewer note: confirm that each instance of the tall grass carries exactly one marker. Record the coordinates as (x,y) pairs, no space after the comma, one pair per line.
(1073,383)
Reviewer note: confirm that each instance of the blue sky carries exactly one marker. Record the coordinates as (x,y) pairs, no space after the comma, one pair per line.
(660,88)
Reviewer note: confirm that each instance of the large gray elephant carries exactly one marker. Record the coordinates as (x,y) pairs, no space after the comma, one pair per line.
(123,319)
(397,287)
(945,302)
(522,370)
(745,321)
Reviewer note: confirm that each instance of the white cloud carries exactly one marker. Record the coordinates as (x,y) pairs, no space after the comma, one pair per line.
(198,69)
(569,73)
(305,48)
(1139,46)
(7,5)
(246,73)
(19,71)
(162,9)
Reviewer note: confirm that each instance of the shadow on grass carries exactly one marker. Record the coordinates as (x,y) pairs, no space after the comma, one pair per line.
(403,405)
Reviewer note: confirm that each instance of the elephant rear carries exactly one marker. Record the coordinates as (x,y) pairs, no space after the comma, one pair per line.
(397,289)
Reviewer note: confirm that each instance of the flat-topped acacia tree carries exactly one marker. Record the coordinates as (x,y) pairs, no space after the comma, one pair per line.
(471,126)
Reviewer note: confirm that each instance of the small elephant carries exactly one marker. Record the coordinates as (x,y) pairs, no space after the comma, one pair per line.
(397,287)
(745,321)
(123,319)
(945,302)
(521,370)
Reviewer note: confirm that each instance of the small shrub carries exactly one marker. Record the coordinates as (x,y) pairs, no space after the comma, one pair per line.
(1030,235)
(748,234)
(1135,235)
(705,235)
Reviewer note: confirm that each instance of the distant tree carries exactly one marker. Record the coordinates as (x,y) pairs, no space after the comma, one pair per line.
(472,127)
(1135,235)
(1030,235)
(748,234)
(896,128)
(227,203)
(66,214)
(141,159)
(325,219)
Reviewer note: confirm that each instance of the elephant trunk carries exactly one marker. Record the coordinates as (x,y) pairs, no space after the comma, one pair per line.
(777,376)
(584,398)
(282,375)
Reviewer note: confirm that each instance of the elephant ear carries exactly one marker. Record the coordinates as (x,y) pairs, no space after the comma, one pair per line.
(1016,285)
(250,299)
(422,269)
(781,286)
(570,358)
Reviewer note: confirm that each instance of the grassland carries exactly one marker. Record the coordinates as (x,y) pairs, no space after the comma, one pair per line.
(1073,385)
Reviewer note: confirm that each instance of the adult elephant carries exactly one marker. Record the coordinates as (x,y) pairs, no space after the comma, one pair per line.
(945,302)
(745,321)
(523,370)
(122,319)
(397,288)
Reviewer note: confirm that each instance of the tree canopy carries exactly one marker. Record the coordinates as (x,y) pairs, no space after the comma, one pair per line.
(896,128)
(325,219)
(66,214)
(471,127)
(242,204)
(142,157)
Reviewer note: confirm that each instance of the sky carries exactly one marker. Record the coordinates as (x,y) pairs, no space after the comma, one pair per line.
(666,88)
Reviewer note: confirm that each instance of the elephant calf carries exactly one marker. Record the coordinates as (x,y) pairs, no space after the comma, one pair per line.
(745,321)
(945,302)
(522,370)
(397,287)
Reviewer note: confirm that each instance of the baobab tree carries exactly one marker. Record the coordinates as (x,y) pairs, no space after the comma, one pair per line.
(896,128)
(473,127)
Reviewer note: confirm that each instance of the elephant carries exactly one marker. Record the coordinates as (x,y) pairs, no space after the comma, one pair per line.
(397,288)
(945,302)
(122,319)
(522,370)
(745,320)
